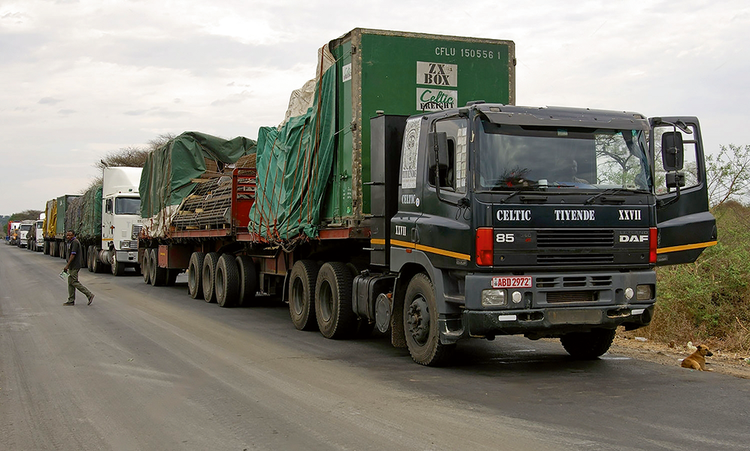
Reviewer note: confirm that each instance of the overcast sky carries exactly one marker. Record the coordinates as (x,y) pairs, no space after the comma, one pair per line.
(80,79)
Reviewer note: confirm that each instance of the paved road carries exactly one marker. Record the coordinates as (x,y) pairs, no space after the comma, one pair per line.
(147,368)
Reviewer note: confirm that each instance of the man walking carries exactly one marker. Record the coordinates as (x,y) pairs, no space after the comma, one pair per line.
(73,252)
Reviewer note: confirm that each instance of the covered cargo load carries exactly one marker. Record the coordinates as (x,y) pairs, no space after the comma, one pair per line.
(171,172)
(84,214)
(314,171)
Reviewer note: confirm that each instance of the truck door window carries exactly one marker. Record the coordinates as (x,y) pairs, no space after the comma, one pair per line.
(452,172)
(690,166)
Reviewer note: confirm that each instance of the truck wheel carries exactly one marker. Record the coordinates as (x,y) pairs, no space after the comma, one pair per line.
(158,275)
(248,279)
(421,323)
(195,285)
(146,266)
(88,259)
(61,250)
(227,281)
(209,276)
(46,248)
(588,345)
(302,294)
(333,301)
(118,268)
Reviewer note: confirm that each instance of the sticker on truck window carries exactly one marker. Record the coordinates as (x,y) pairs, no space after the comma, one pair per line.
(409,163)
(511,282)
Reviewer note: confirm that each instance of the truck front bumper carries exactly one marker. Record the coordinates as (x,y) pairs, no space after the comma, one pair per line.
(553,304)
(548,322)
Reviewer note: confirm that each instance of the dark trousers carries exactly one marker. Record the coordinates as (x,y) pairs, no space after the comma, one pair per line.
(74,284)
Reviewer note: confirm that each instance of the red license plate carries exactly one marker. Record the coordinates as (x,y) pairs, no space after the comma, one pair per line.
(511,282)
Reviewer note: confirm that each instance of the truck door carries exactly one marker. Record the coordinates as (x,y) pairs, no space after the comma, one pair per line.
(444,229)
(685,225)
(108,206)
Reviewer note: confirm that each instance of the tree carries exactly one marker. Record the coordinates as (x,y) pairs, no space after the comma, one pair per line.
(132,156)
(728,174)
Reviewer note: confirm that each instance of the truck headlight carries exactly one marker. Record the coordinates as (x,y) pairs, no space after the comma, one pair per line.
(493,298)
(644,292)
(124,244)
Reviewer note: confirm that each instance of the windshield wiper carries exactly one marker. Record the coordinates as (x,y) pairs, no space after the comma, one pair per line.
(612,191)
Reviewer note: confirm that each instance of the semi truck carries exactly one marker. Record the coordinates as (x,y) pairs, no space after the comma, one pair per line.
(106,219)
(35,237)
(412,195)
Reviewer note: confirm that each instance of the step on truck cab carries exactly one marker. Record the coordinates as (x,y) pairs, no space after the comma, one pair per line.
(545,222)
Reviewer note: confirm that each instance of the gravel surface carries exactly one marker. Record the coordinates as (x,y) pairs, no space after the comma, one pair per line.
(640,348)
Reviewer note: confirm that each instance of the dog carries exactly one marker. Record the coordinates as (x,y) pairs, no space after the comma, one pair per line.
(697,360)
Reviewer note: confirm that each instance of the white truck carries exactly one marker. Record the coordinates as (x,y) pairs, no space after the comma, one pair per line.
(107,221)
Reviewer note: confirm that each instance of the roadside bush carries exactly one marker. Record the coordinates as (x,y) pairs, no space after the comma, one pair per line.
(707,301)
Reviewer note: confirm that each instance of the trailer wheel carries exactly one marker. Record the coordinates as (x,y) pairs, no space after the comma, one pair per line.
(146,266)
(302,294)
(227,281)
(209,276)
(46,247)
(88,259)
(158,275)
(248,279)
(333,301)
(421,323)
(61,250)
(588,345)
(195,279)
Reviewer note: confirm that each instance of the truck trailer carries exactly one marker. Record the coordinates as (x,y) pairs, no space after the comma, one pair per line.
(412,195)
(54,232)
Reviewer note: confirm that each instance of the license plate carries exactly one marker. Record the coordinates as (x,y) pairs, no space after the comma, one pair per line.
(511,282)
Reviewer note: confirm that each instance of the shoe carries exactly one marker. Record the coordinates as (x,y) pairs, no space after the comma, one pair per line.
(69,303)
(91,299)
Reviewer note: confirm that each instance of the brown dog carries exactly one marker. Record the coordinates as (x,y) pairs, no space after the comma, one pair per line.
(697,360)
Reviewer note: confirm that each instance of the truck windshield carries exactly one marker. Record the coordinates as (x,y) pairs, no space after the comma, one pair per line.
(25,227)
(127,206)
(513,157)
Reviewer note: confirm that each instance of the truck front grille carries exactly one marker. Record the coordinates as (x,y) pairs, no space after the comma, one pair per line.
(574,259)
(575,238)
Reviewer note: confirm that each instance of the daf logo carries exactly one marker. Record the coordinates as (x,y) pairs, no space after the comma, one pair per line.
(634,238)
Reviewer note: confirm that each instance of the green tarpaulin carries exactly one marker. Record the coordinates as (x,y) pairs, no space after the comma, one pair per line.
(169,170)
(294,165)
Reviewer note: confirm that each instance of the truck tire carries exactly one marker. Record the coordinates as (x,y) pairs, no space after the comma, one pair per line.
(333,301)
(46,247)
(421,323)
(248,279)
(89,266)
(146,266)
(208,273)
(158,275)
(588,345)
(227,281)
(195,279)
(302,294)
(118,268)
(61,250)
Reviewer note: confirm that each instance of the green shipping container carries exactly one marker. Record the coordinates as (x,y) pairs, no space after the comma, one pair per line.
(403,73)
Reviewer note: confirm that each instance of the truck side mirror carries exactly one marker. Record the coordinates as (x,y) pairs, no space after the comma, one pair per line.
(437,155)
(672,151)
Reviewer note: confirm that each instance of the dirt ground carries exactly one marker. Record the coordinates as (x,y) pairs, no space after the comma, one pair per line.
(642,349)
